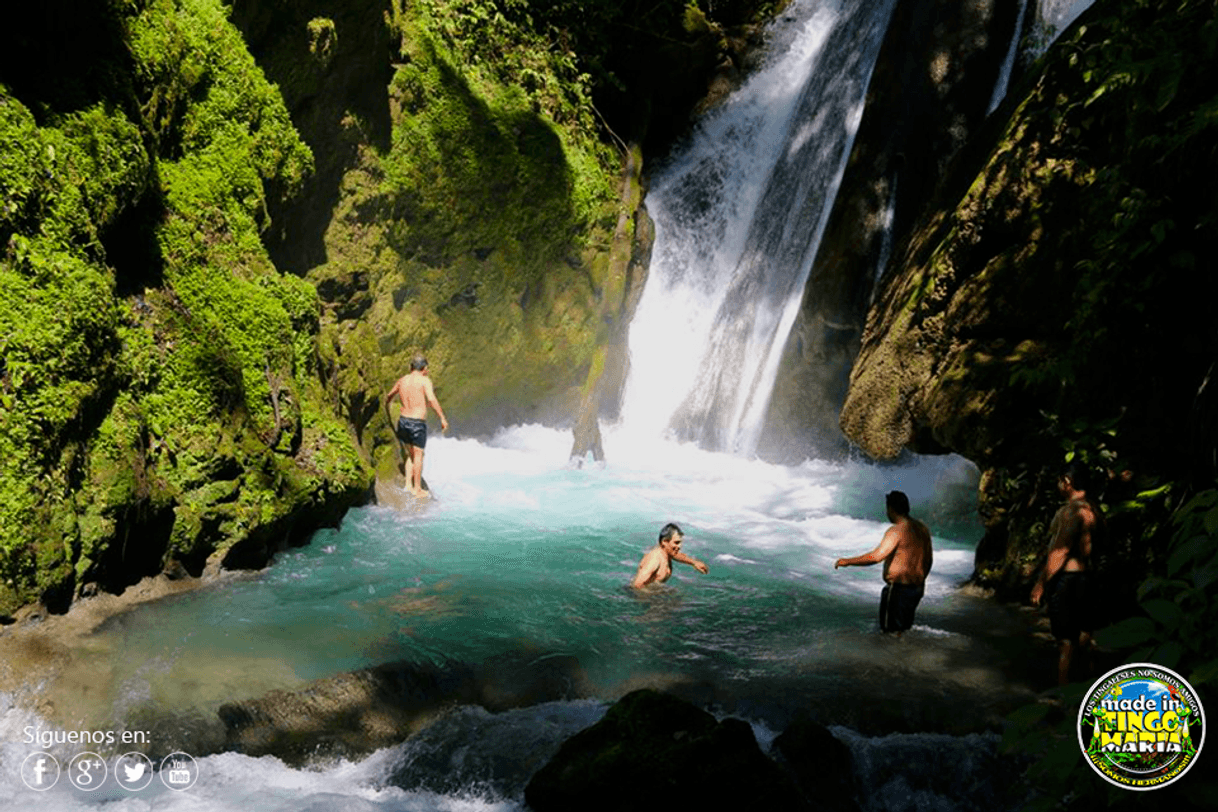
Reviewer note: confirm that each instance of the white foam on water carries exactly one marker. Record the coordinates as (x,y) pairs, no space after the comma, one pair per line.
(927,772)
(476,743)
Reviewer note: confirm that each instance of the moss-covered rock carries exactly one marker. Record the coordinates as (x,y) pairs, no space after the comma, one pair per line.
(172,398)
(161,391)
(470,211)
(931,89)
(1055,304)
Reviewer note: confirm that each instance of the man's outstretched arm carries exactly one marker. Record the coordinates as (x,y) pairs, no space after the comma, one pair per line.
(887,547)
(693,562)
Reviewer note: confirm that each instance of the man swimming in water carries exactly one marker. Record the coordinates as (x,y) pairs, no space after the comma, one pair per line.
(416,393)
(656,565)
(906,553)
(1076,526)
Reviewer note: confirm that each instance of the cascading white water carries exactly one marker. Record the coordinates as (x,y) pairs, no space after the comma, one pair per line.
(886,219)
(1052,18)
(739,213)
(1008,63)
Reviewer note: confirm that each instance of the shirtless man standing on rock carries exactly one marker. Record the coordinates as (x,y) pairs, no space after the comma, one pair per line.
(1076,526)
(415,392)
(905,551)
(656,565)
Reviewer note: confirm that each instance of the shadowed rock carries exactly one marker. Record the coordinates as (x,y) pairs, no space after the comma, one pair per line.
(928,94)
(356,713)
(822,765)
(655,752)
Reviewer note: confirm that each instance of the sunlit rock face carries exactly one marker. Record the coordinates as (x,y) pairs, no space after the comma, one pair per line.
(1052,301)
(930,91)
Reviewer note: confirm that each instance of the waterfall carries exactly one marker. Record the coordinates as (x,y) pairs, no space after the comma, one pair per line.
(739,212)
(1052,18)
(887,217)
(1008,63)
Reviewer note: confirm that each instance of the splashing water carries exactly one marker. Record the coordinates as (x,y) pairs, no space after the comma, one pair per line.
(523,558)
(739,213)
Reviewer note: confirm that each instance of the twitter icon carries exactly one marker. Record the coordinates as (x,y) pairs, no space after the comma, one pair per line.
(133,771)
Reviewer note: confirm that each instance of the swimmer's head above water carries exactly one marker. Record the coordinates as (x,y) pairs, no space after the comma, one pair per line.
(656,565)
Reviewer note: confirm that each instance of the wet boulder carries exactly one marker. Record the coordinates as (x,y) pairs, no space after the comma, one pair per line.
(821,764)
(656,752)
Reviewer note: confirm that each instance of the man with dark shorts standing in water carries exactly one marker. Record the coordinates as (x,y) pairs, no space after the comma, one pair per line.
(905,551)
(656,565)
(1076,527)
(415,392)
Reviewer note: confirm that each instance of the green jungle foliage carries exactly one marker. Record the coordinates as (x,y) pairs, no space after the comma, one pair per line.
(475,205)
(1133,105)
(168,394)
(1176,626)
(158,374)
(1130,117)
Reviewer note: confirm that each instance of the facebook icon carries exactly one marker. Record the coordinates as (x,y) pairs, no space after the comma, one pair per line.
(40,771)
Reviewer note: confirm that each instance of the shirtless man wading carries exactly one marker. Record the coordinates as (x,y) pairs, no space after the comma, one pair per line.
(656,565)
(1076,526)
(906,553)
(415,392)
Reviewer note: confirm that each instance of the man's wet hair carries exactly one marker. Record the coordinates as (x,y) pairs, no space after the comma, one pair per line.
(1079,474)
(669,530)
(897,502)
(418,363)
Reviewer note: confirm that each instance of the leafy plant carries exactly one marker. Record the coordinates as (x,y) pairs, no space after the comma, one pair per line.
(1178,624)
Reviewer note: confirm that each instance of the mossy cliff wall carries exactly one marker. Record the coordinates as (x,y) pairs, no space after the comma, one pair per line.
(161,398)
(931,89)
(471,204)
(1056,303)
(226,228)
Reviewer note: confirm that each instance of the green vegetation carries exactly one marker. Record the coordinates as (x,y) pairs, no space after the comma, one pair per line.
(437,176)
(1176,626)
(161,398)
(474,221)
(1081,241)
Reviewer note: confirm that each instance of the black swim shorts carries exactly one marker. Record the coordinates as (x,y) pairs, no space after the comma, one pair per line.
(1069,605)
(897,605)
(412,431)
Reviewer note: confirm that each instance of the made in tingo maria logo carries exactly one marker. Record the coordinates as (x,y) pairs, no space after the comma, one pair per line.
(1141,726)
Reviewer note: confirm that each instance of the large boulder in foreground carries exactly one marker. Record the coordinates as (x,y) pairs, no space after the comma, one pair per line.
(352,714)
(657,752)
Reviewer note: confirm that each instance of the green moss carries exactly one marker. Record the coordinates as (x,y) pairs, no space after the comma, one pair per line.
(185,394)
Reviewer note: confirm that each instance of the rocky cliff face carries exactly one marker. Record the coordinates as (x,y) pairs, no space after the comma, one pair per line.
(469,206)
(1054,303)
(161,400)
(928,95)
(210,279)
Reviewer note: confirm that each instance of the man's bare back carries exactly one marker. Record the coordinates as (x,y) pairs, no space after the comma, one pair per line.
(415,393)
(1071,530)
